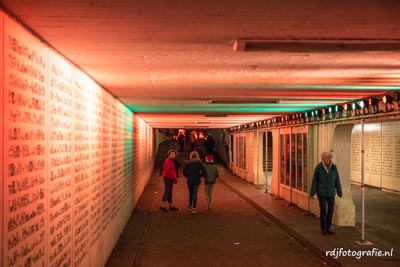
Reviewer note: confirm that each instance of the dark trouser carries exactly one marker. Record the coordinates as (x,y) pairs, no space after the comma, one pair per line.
(193,188)
(167,190)
(326,215)
(209,190)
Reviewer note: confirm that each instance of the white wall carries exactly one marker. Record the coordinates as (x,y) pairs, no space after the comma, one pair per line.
(74,159)
(2,184)
(381,149)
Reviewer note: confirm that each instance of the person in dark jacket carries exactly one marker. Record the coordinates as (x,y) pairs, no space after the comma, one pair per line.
(326,183)
(181,140)
(210,177)
(177,166)
(169,174)
(193,171)
(210,143)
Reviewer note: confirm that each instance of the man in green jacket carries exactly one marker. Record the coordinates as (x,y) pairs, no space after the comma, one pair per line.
(326,183)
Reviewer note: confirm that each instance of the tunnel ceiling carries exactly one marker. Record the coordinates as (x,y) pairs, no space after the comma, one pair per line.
(218,64)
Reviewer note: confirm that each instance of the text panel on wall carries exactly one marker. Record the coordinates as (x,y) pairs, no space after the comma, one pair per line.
(381,147)
(2,184)
(88,135)
(66,159)
(25,183)
(61,161)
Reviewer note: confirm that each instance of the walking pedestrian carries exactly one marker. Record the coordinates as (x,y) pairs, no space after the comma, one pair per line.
(192,138)
(170,178)
(210,143)
(210,178)
(181,140)
(193,171)
(326,183)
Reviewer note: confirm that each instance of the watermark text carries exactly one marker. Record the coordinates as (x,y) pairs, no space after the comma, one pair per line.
(358,254)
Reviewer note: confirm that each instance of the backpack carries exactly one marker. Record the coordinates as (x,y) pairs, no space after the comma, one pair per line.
(211,174)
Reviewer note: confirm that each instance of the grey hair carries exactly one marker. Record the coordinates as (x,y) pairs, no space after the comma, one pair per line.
(326,153)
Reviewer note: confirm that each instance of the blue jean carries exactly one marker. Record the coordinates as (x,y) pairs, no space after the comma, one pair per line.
(326,214)
(193,188)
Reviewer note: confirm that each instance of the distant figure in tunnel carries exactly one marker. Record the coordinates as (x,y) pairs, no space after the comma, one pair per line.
(192,139)
(170,178)
(210,178)
(181,140)
(193,171)
(210,143)
(326,183)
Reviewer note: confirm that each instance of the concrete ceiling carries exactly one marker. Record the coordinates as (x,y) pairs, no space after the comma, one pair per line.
(173,62)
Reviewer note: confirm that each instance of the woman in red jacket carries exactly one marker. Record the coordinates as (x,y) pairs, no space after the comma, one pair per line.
(170,178)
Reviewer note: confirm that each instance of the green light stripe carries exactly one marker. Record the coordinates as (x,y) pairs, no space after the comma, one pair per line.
(227,108)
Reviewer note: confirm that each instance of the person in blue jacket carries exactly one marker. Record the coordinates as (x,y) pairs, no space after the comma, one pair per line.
(326,184)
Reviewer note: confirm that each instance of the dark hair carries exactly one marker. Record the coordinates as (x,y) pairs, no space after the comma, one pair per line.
(172,150)
(194,155)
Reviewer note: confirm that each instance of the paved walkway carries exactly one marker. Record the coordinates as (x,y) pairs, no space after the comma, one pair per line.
(245,227)
(381,224)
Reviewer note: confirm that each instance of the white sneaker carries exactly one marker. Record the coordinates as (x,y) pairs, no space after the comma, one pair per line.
(190,208)
(194,210)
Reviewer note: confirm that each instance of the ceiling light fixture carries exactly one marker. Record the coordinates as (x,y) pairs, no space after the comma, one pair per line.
(316,45)
(243,101)
(215,115)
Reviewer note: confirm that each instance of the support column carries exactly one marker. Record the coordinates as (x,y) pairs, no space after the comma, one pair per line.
(344,207)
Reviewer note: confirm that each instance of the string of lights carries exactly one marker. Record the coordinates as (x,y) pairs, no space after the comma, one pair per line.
(377,106)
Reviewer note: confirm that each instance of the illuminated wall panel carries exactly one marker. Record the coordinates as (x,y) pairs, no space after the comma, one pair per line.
(356,155)
(2,184)
(120,162)
(82,169)
(381,145)
(390,158)
(66,162)
(106,174)
(128,160)
(372,155)
(114,205)
(61,161)
(93,95)
(143,156)
(25,163)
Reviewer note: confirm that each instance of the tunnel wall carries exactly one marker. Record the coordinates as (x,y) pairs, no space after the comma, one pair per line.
(74,160)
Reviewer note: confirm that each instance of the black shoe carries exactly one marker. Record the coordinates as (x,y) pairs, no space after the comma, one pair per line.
(173,209)
(329,232)
(163,209)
